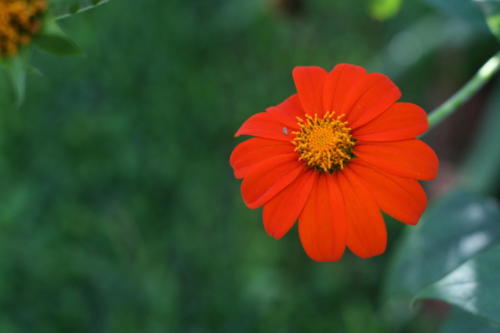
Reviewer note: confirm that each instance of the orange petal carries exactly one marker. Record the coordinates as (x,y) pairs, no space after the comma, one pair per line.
(265,125)
(288,111)
(260,187)
(250,155)
(366,236)
(281,212)
(401,121)
(369,98)
(402,198)
(309,81)
(322,224)
(338,83)
(409,158)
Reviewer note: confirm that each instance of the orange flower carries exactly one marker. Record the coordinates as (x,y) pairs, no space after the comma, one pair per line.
(19,21)
(334,156)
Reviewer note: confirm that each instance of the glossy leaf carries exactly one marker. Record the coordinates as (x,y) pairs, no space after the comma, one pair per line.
(53,40)
(491,9)
(64,8)
(460,321)
(473,286)
(453,230)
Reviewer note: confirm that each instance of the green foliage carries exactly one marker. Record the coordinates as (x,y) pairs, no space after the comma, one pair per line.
(491,9)
(473,286)
(120,211)
(453,230)
(385,9)
(64,8)
(480,171)
(16,71)
(463,9)
(52,39)
(460,321)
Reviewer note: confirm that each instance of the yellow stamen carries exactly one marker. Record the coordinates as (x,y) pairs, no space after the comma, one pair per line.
(19,21)
(324,144)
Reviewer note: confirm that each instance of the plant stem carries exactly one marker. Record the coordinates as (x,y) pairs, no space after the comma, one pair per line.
(463,95)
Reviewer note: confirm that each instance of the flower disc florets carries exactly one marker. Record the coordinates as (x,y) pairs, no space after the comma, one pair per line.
(325,144)
(19,21)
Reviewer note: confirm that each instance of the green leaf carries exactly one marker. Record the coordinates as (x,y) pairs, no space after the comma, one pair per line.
(52,39)
(403,51)
(33,70)
(16,70)
(473,286)
(418,40)
(481,171)
(385,9)
(459,321)
(64,8)
(491,9)
(463,9)
(454,229)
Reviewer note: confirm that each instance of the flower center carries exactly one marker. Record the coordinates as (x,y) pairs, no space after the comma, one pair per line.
(324,144)
(19,21)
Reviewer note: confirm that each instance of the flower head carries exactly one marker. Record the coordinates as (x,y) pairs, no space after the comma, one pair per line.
(334,156)
(19,21)
(325,144)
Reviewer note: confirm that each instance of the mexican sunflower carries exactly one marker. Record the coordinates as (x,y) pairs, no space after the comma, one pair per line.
(19,21)
(334,156)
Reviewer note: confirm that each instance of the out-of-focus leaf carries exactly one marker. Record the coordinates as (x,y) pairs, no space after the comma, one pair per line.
(481,169)
(460,321)
(418,40)
(52,39)
(491,9)
(455,229)
(473,286)
(16,70)
(463,9)
(64,8)
(385,9)
(33,70)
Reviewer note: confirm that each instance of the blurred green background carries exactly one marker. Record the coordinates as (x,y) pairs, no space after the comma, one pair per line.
(119,211)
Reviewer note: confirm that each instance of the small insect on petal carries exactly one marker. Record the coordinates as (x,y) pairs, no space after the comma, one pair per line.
(285,130)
